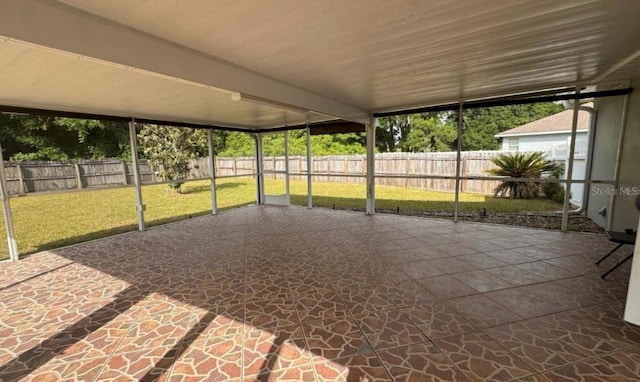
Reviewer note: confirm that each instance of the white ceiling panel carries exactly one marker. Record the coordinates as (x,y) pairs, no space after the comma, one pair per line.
(379,54)
(366,55)
(38,78)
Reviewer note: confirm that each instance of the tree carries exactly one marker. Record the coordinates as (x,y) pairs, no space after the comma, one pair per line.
(34,137)
(242,144)
(338,144)
(170,149)
(522,165)
(391,132)
(99,139)
(31,137)
(238,144)
(429,132)
(482,124)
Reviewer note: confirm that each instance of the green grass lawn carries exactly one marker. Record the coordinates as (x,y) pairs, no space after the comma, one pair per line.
(48,221)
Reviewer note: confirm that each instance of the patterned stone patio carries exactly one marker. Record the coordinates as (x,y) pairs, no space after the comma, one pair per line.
(291,294)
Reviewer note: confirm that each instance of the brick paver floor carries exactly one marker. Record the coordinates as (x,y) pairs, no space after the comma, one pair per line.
(292,294)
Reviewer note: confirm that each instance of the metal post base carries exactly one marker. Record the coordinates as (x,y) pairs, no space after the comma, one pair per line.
(609,254)
(616,266)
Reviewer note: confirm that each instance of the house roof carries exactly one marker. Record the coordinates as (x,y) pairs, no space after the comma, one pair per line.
(263,64)
(553,124)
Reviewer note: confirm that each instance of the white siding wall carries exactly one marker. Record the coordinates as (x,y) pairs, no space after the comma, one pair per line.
(546,142)
(609,110)
(604,155)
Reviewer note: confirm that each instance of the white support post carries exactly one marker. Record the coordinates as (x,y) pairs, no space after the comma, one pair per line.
(458,162)
(371,166)
(569,172)
(286,163)
(6,208)
(212,173)
(309,169)
(632,306)
(616,171)
(259,170)
(136,174)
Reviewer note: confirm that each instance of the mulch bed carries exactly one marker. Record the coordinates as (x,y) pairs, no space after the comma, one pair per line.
(577,223)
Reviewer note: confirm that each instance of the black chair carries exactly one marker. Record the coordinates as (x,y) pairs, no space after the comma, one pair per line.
(621,238)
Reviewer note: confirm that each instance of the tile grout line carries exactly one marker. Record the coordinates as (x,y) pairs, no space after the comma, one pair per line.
(301,327)
(373,349)
(115,349)
(433,342)
(591,357)
(193,316)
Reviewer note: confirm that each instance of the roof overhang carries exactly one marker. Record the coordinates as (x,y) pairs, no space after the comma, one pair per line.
(250,65)
(125,60)
(539,133)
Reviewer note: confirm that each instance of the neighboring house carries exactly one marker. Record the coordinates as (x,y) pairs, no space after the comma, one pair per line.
(552,135)
(548,133)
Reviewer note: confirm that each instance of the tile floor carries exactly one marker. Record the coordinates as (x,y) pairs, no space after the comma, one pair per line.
(291,294)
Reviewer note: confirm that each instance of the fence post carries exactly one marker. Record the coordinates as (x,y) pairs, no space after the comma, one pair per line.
(345,168)
(76,166)
(235,166)
(21,184)
(406,168)
(464,185)
(125,181)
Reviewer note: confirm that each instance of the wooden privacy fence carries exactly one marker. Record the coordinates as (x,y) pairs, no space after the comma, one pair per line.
(338,168)
(473,163)
(28,177)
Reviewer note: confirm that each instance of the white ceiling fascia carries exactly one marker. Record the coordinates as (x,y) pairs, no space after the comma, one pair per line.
(56,26)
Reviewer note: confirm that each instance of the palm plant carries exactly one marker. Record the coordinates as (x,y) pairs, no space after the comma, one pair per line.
(522,165)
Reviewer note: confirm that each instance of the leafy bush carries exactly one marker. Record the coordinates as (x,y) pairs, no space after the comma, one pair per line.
(554,191)
(523,165)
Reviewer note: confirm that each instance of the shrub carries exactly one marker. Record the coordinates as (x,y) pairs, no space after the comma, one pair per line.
(554,191)
(523,165)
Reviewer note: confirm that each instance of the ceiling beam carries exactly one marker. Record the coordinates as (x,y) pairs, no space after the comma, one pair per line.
(617,66)
(113,118)
(325,127)
(507,101)
(51,25)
